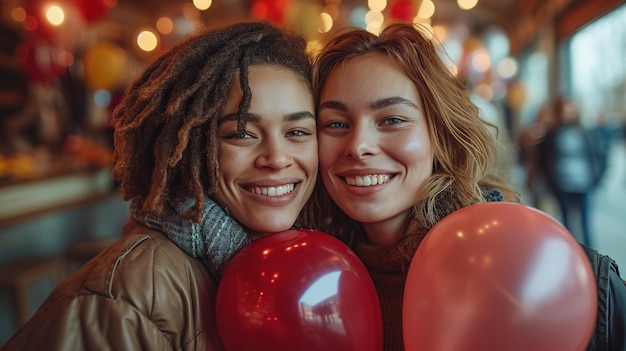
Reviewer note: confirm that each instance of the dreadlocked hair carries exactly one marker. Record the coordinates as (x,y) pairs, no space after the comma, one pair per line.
(166,146)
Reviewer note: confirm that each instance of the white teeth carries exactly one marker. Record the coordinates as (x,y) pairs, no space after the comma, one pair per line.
(368,180)
(273,190)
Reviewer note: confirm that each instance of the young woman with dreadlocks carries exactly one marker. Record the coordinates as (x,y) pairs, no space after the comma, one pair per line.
(215,145)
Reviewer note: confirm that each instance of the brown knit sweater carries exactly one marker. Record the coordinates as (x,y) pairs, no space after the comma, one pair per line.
(388,267)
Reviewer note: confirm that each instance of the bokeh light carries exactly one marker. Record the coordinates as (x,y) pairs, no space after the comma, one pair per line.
(202,4)
(325,23)
(18,14)
(427,9)
(165,25)
(55,15)
(377,5)
(507,68)
(147,40)
(467,4)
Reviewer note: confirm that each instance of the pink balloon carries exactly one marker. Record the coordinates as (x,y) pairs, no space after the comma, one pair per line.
(499,276)
(298,290)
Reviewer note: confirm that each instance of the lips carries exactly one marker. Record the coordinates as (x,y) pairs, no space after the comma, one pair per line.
(273,190)
(368,180)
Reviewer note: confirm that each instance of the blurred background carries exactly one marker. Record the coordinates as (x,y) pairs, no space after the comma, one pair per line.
(65,63)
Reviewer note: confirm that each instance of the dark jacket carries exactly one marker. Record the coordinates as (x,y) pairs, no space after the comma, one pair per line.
(568,160)
(142,293)
(610,332)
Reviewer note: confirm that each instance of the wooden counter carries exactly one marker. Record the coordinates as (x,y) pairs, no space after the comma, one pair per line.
(22,200)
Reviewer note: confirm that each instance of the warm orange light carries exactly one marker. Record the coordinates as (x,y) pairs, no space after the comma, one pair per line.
(147,40)
(467,4)
(55,15)
(18,14)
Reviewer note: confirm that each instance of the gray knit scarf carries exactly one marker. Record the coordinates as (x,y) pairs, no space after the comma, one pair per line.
(216,238)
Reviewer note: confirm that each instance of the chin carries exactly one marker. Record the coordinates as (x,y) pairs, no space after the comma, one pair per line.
(274,226)
(277,229)
(366,216)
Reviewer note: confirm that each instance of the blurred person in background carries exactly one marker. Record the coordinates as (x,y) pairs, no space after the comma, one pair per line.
(603,134)
(569,164)
(528,142)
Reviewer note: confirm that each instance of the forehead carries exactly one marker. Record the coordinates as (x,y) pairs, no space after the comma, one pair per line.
(368,78)
(274,90)
(259,74)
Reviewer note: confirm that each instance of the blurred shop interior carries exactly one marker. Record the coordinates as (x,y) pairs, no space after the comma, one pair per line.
(65,63)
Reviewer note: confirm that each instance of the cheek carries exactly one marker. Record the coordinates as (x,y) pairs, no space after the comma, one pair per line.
(309,158)
(419,146)
(328,150)
(230,162)
(418,152)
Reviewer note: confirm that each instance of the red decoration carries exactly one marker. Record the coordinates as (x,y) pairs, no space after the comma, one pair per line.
(298,290)
(499,276)
(92,10)
(36,21)
(39,61)
(270,10)
(403,10)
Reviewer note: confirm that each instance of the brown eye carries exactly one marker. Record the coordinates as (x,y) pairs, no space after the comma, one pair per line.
(298,133)
(239,135)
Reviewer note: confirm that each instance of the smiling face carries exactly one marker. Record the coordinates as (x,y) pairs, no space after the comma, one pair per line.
(268,172)
(374,147)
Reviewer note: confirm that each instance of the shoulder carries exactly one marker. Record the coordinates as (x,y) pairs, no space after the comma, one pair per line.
(143,283)
(141,267)
(146,271)
(611,320)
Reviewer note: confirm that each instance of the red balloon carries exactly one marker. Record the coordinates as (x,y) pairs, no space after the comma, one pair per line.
(298,290)
(270,10)
(92,10)
(403,10)
(499,276)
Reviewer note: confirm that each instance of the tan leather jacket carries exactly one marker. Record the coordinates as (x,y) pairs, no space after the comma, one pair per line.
(142,293)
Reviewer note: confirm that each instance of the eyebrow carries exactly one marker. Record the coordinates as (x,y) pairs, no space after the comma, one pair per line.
(253,117)
(334,105)
(376,105)
(390,101)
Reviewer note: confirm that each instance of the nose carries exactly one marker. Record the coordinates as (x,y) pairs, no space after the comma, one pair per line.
(275,154)
(362,143)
